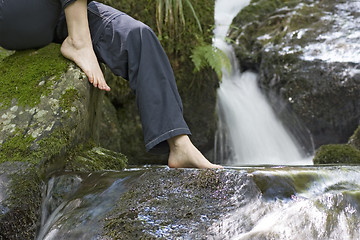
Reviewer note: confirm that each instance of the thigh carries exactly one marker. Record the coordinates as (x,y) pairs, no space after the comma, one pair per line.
(28,23)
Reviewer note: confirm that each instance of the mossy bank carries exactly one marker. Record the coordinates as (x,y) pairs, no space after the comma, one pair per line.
(49,116)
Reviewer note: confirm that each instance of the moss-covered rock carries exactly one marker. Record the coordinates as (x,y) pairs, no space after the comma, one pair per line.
(337,153)
(303,53)
(95,159)
(48,112)
(48,106)
(355,139)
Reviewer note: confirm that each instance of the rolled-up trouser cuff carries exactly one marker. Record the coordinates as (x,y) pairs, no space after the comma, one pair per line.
(65,3)
(159,145)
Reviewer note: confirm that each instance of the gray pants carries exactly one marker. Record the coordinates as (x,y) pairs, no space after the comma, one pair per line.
(128,47)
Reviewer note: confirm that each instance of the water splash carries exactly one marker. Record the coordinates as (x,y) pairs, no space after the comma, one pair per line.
(249,132)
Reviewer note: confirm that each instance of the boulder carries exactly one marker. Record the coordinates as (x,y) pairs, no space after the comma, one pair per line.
(48,106)
(307,53)
(49,121)
(337,154)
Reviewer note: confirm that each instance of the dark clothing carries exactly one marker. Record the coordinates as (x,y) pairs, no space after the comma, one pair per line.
(128,47)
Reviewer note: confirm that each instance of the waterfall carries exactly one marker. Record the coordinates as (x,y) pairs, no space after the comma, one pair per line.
(249,132)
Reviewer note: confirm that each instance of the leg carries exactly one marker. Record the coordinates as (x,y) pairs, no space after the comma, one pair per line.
(132,50)
(78,45)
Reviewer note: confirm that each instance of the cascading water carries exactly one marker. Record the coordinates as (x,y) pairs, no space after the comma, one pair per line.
(249,132)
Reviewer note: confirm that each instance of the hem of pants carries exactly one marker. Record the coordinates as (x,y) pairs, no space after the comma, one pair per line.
(66,3)
(159,145)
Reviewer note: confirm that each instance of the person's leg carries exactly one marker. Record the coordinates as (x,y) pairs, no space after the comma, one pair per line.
(78,45)
(131,50)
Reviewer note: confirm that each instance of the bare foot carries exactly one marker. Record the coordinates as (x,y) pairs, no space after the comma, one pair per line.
(183,154)
(83,55)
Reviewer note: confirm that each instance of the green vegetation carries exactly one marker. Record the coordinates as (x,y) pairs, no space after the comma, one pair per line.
(5,53)
(27,75)
(355,139)
(21,147)
(208,55)
(68,97)
(16,148)
(337,153)
(171,13)
(94,159)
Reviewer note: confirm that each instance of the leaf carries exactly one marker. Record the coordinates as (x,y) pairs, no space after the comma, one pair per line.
(207,55)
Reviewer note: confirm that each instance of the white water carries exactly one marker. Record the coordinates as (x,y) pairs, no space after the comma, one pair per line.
(248,127)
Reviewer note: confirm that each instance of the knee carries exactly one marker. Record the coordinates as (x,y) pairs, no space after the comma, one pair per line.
(141,31)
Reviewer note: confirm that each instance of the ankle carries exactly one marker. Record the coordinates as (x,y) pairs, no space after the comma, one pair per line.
(178,142)
(79,42)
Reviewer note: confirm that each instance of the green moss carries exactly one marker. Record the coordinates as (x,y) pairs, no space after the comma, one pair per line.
(68,97)
(19,147)
(16,148)
(87,158)
(355,139)
(337,153)
(26,75)
(4,53)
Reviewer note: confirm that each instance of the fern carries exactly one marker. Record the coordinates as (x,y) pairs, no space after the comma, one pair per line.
(207,55)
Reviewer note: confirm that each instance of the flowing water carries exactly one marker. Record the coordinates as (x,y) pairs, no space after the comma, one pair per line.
(249,131)
(283,203)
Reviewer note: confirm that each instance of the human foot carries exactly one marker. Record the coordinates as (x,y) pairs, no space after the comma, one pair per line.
(83,55)
(183,154)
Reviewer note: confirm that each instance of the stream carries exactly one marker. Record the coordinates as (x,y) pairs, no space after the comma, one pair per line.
(156,202)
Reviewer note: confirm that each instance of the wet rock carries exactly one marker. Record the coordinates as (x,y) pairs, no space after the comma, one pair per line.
(20,200)
(307,52)
(174,204)
(158,203)
(162,203)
